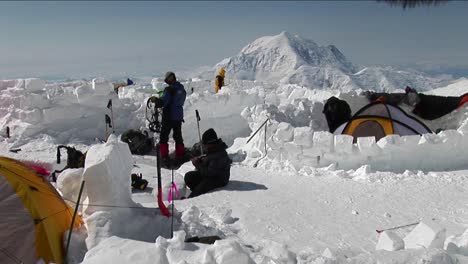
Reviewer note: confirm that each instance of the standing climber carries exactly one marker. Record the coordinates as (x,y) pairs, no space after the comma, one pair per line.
(173,99)
(219,81)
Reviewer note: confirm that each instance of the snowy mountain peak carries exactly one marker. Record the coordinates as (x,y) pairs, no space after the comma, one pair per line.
(274,57)
(290,58)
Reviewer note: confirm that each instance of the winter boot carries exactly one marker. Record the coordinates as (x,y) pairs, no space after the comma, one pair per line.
(165,159)
(164,150)
(179,150)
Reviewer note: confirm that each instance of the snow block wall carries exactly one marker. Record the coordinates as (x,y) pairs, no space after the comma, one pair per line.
(108,206)
(107,175)
(300,147)
(68,112)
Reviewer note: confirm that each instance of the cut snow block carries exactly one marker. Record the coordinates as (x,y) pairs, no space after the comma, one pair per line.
(389,141)
(323,140)
(7,84)
(99,227)
(107,175)
(102,86)
(410,141)
(32,100)
(338,255)
(450,136)
(457,244)
(20,83)
(34,116)
(34,84)
(278,253)
(343,143)
(271,98)
(366,144)
(303,136)
(82,91)
(69,182)
(425,235)
(389,241)
(311,152)
(292,150)
(274,154)
(285,132)
(230,252)
(58,113)
(429,139)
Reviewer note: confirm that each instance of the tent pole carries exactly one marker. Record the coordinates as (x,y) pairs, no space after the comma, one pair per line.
(73,222)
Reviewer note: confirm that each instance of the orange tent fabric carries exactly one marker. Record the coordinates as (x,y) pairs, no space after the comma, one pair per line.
(42,206)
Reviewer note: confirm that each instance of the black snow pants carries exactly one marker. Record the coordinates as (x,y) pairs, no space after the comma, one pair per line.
(200,185)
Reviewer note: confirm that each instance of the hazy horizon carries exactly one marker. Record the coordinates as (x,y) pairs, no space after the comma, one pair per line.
(84,39)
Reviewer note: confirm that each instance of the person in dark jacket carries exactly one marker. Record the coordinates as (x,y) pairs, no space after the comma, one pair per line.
(337,112)
(173,99)
(212,169)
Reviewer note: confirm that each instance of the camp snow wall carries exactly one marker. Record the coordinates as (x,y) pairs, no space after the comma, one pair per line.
(302,147)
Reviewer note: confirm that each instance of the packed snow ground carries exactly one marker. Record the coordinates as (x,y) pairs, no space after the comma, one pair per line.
(286,210)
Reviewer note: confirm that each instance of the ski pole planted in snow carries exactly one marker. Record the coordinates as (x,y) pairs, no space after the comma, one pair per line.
(199,135)
(73,221)
(172,209)
(264,123)
(397,227)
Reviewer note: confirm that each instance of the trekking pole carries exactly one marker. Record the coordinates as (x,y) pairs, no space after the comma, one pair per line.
(397,227)
(264,123)
(199,135)
(109,106)
(73,221)
(266,149)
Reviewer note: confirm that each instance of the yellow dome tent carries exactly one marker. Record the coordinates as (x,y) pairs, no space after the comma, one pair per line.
(33,216)
(379,119)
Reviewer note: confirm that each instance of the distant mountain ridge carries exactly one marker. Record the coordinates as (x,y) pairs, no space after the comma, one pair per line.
(288,58)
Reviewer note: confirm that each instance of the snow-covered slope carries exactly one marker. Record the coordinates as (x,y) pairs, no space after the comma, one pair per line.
(456,88)
(288,58)
(292,208)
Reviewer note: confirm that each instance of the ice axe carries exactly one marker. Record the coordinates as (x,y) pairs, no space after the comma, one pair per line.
(199,135)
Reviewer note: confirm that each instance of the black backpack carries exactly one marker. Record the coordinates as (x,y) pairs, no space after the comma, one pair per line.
(75,158)
(336,112)
(139,143)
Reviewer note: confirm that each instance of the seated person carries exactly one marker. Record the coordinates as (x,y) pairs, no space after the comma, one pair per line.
(212,169)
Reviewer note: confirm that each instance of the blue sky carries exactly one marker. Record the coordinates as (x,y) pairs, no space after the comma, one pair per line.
(84,39)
